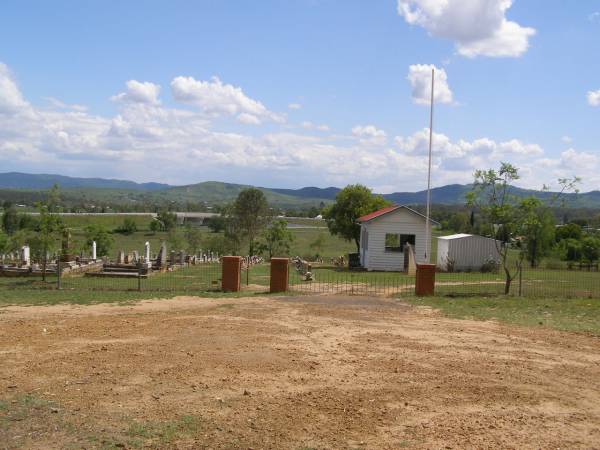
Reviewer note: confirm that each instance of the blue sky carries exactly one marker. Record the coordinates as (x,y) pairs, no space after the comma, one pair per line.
(309,92)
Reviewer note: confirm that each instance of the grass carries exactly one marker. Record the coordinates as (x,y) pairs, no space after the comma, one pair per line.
(577,314)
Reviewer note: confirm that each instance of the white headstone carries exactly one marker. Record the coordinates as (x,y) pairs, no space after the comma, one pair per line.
(147,251)
(25,255)
(94,250)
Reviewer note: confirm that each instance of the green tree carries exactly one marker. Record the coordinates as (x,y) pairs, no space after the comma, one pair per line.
(193,236)
(176,241)
(216,224)
(3,243)
(352,202)
(318,244)
(155,226)
(167,220)
(590,249)
(10,220)
(127,227)
(47,238)
(510,217)
(538,230)
(568,231)
(277,239)
(249,215)
(102,237)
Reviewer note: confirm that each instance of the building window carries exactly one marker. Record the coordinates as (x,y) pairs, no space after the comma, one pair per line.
(395,242)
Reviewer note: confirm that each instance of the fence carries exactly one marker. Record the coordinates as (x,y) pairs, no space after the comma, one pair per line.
(533,282)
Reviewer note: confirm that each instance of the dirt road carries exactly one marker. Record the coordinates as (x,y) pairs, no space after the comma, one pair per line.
(290,373)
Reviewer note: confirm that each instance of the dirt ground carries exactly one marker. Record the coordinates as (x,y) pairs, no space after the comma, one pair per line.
(310,372)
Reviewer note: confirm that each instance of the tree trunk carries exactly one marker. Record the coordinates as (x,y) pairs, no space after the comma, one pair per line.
(507,282)
(44,263)
(357,242)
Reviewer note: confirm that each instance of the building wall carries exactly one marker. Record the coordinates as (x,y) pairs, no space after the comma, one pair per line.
(470,253)
(442,254)
(400,221)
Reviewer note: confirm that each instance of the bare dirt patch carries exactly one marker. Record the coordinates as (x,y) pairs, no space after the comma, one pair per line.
(290,373)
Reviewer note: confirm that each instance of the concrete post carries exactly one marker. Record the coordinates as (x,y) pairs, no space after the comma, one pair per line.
(231,272)
(279,275)
(425,280)
(93,250)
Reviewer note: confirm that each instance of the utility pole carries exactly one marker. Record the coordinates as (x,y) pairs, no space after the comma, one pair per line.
(427,232)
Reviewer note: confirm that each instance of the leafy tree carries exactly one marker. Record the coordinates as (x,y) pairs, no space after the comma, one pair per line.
(102,237)
(568,231)
(216,224)
(3,243)
(127,227)
(352,202)
(176,241)
(167,220)
(28,222)
(278,239)
(193,236)
(10,220)
(459,222)
(571,249)
(590,249)
(155,226)
(318,244)
(249,215)
(510,217)
(538,229)
(47,238)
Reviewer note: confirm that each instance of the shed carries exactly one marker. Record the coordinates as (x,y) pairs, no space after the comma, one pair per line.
(458,252)
(384,235)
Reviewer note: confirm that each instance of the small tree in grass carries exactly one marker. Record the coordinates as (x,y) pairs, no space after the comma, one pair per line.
(100,235)
(523,221)
(249,216)
(352,202)
(278,239)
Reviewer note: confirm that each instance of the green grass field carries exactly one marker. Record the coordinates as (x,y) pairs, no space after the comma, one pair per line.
(579,314)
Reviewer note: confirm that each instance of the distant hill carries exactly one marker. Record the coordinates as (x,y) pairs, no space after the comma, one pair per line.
(26,188)
(17,180)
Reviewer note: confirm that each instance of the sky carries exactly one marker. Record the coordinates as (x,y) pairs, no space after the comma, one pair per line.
(293,93)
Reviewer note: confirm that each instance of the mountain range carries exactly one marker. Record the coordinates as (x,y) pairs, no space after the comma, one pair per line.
(213,192)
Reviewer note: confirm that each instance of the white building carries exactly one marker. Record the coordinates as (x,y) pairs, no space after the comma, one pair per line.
(465,252)
(384,233)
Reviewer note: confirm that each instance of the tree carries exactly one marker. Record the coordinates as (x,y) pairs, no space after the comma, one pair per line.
(3,243)
(100,235)
(127,227)
(352,202)
(193,236)
(318,244)
(590,249)
(568,231)
(155,226)
(216,224)
(249,215)
(10,220)
(167,220)
(46,239)
(278,239)
(538,230)
(510,218)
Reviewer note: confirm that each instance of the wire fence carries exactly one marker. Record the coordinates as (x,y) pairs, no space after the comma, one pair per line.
(325,279)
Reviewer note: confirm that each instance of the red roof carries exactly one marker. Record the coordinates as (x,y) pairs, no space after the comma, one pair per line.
(378,213)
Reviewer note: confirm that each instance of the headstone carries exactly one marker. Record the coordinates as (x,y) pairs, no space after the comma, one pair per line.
(135,257)
(182,257)
(172,257)
(147,262)
(94,250)
(25,256)
(162,255)
(66,246)
(121,257)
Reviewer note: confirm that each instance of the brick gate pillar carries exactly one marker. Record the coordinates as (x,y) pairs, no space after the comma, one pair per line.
(230,278)
(425,280)
(279,275)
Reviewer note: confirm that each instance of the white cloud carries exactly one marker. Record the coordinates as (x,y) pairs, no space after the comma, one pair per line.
(566,139)
(477,27)
(419,77)
(369,135)
(56,103)
(11,99)
(248,119)
(295,106)
(307,125)
(594,17)
(148,141)
(139,92)
(216,98)
(593,98)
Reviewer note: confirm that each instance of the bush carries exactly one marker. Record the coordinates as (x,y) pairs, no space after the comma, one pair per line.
(490,266)
(127,227)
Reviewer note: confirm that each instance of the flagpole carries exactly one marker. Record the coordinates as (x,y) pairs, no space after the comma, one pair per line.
(427,229)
